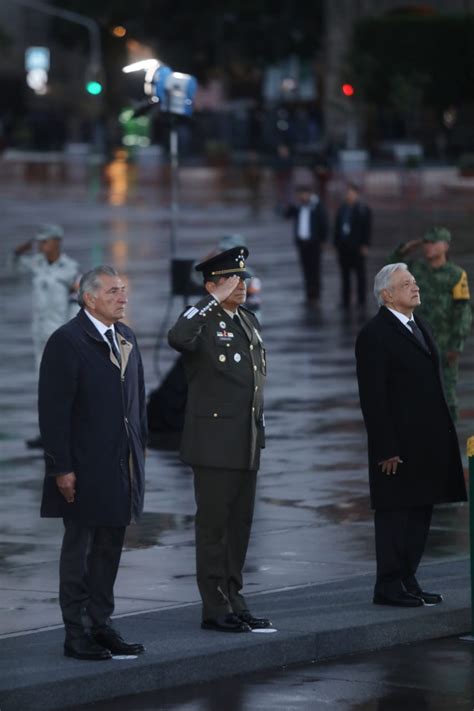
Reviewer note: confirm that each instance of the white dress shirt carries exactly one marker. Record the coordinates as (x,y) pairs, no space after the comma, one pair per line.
(401,317)
(102,328)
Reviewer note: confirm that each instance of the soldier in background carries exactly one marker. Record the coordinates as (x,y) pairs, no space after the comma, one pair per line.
(55,280)
(445,301)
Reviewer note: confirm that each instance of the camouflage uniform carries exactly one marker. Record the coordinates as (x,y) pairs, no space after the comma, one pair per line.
(446,306)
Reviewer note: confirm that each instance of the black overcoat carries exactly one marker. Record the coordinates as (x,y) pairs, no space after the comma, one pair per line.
(406,414)
(225,370)
(93,423)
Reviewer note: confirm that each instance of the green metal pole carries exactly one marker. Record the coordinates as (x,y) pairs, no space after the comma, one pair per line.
(470,455)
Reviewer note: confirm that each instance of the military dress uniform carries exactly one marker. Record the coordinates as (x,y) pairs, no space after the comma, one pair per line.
(224,431)
(52,285)
(445,305)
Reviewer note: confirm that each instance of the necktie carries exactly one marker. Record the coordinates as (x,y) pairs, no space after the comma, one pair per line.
(418,334)
(110,337)
(238,324)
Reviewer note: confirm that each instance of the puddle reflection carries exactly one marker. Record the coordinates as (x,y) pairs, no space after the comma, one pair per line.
(151,527)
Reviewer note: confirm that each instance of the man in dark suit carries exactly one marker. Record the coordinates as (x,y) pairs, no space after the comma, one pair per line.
(93,424)
(352,235)
(310,232)
(225,364)
(414,459)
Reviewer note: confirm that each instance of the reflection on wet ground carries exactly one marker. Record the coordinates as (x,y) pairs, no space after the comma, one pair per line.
(148,532)
(429,676)
(314,470)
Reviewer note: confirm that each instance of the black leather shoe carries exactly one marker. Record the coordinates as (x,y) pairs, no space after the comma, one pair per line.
(255,623)
(228,623)
(111,640)
(428,598)
(85,648)
(401,599)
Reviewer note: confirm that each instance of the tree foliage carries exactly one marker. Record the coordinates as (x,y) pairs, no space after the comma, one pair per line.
(406,60)
(201,37)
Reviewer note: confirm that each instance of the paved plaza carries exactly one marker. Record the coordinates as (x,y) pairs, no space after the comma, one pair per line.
(313,524)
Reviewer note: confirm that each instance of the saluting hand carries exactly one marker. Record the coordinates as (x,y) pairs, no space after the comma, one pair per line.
(67,486)
(389,466)
(224,290)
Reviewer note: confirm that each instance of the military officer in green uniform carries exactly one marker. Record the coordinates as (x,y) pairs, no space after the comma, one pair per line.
(445,300)
(224,430)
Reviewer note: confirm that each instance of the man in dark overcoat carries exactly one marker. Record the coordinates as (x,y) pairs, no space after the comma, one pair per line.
(414,459)
(310,230)
(352,237)
(225,364)
(93,424)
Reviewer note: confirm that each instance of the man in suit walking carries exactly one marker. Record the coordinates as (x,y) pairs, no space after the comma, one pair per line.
(414,459)
(225,364)
(93,424)
(352,235)
(310,233)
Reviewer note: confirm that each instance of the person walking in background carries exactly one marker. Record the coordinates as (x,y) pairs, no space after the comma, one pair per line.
(310,232)
(224,430)
(352,236)
(55,280)
(445,301)
(414,458)
(92,414)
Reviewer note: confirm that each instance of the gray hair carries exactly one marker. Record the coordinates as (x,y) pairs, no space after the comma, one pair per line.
(90,282)
(383,278)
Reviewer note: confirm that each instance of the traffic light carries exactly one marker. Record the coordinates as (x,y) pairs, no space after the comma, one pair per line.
(94,87)
(348,90)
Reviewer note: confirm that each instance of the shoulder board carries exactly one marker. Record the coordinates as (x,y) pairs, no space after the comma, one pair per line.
(460,290)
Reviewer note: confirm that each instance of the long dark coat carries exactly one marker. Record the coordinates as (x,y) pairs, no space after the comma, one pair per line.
(225,370)
(93,422)
(406,414)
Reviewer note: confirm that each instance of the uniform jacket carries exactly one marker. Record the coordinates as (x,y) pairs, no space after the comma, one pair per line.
(93,422)
(350,235)
(225,369)
(406,414)
(445,300)
(318,222)
(52,285)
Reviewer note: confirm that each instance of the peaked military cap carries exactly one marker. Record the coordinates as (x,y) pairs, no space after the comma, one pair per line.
(49,232)
(437,234)
(226,264)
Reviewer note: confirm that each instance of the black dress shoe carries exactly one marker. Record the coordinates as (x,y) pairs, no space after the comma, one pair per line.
(428,598)
(228,623)
(401,599)
(85,648)
(255,623)
(111,640)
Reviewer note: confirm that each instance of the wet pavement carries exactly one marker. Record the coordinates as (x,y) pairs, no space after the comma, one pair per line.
(312,523)
(431,676)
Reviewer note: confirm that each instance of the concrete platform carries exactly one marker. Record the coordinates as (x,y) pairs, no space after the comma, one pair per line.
(315,622)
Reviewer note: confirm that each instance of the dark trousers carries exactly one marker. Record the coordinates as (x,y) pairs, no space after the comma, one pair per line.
(400,539)
(352,262)
(310,259)
(89,562)
(225,502)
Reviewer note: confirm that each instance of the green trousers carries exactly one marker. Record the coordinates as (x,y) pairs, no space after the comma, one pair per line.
(225,502)
(450,380)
